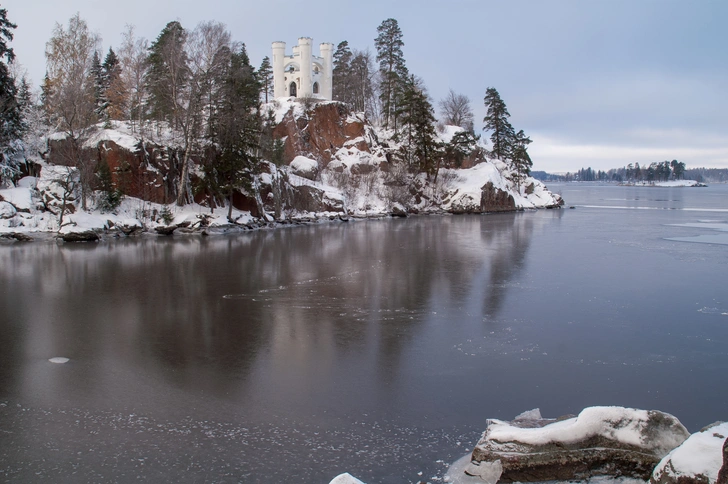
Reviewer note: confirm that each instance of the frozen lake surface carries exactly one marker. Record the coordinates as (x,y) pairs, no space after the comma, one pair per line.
(377,348)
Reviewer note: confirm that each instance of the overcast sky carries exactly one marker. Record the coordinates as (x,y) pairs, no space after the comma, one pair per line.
(598,83)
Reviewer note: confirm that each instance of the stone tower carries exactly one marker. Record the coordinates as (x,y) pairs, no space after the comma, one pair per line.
(303,74)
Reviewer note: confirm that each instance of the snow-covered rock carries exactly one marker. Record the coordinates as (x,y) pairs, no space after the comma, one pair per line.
(7,210)
(305,167)
(697,460)
(345,478)
(20,197)
(612,441)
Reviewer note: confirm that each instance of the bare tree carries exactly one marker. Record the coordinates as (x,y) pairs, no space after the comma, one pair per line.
(456,111)
(71,104)
(208,53)
(133,57)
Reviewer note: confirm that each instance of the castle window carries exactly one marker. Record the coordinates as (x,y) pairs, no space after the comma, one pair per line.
(292,90)
(315,88)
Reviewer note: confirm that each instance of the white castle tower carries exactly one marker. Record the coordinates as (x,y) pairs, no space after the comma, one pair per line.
(303,74)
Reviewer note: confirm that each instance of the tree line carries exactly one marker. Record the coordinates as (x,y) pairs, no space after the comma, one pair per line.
(198,90)
(632,173)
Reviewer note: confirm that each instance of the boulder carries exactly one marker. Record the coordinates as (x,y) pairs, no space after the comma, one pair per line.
(83,236)
(19,236)
(723,474)
(699,460)
(493,199)
(600,441)
(398,210)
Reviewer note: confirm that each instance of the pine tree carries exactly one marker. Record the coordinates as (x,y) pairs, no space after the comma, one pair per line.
(392,69)
(496,120)
(265,76)
(342,72)
(167,74)
(519,156)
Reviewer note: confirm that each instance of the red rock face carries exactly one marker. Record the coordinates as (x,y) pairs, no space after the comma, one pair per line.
(319,133)
(147,173)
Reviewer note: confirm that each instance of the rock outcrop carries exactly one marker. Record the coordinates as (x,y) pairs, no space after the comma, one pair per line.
(699,460)
(613,441)
(318,131)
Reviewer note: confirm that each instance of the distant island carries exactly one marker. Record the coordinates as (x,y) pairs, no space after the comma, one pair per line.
(657,174)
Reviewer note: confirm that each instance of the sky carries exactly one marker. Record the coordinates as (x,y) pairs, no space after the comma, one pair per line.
(598,83)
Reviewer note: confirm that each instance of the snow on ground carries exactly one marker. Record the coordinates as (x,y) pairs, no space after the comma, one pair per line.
(700,454)
(671,183)
(280,107)
(119,135)
(131,213)
(448,131)
(677,183)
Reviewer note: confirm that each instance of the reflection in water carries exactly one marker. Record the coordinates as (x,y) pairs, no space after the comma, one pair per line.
(313,324)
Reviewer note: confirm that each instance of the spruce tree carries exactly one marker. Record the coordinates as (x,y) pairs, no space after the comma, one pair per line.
(11,124)
(496,120)
(114,94)
(97,80)
(392,69)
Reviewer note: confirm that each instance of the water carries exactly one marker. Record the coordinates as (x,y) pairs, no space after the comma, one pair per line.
(374,347)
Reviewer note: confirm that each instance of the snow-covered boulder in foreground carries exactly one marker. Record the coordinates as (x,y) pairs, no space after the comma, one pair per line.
(698,460)
(600,441)
(345,478)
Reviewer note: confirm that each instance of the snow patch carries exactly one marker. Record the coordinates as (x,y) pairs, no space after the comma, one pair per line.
(700,454)
(59,360)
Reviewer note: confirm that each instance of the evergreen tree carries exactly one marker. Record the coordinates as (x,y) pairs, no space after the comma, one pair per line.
(11,124)
(496,120)
(114,91)
(460,146)
(237,130)
(519,156)
(265,76)
(392,70)
(111,196)
(420,148)
(97,80)
(342,73)
(167,74)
